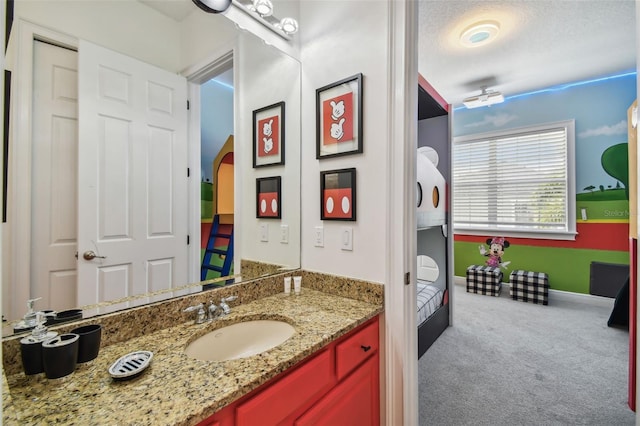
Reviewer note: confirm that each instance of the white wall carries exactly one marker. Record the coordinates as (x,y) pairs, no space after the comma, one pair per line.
(204,37)
(128,27)
(267,76)
(347,38)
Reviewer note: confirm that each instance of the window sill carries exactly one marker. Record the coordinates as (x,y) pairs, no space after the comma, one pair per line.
(564,236)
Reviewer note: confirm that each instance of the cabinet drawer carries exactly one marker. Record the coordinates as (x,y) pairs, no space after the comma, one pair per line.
(355,349)
(279,400)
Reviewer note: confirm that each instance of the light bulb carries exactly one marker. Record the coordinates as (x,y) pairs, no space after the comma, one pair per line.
(263,7)
(289,25)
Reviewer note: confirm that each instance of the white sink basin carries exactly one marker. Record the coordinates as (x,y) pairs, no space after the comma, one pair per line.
(240,340)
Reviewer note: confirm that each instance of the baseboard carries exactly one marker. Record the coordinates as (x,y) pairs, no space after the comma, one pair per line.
(555,295)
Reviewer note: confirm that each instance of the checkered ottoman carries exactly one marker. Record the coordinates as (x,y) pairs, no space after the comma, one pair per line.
(529,286)
(484,280)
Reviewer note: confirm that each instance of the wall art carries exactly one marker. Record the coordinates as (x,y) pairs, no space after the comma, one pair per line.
(338,194)
(268,198)
(339,118)
(268,135)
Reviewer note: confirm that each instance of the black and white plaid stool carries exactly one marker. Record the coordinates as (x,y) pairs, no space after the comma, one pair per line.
(528,286)
(484,280)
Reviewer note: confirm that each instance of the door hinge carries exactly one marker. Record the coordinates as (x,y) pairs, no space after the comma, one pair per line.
(407,278)
(188,239)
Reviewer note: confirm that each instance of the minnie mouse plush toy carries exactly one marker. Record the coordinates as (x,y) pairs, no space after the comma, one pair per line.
(497,245)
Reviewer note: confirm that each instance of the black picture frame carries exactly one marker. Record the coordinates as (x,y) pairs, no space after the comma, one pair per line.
(338,194)
(269,135)
(269,197)
(339,118)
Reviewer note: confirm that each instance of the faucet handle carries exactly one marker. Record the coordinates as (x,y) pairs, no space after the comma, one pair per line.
(201,316)
(223,304)
(193,308)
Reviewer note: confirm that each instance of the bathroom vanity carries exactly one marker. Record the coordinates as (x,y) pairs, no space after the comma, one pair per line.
(328,369)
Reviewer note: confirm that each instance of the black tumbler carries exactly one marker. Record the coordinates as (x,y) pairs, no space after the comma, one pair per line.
(89,342)
(31,352)
(60,355)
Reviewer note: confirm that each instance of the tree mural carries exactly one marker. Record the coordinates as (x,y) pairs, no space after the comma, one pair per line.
(615,162)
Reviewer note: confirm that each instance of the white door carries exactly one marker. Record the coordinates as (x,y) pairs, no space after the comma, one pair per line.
(54,176)
(132,178)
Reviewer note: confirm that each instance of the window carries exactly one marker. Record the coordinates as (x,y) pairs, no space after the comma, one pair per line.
(518,182)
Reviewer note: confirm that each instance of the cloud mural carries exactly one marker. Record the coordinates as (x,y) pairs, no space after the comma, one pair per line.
(617,129)
(495,120)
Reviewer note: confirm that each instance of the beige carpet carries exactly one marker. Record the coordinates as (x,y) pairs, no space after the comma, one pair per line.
(506,362)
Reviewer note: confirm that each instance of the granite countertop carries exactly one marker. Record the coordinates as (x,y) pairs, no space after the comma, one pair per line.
(175,389)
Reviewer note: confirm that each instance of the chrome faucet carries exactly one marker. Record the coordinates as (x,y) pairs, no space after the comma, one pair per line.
(213,311)
(224,306)
(201,316)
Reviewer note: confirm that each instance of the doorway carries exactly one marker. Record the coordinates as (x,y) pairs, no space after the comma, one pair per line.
(217,176)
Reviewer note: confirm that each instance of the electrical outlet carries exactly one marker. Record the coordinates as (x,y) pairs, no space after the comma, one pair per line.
(284,234)
(347,238)
(264,232)
(319,240)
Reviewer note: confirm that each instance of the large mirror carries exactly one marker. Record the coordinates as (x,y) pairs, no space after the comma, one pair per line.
(75,235)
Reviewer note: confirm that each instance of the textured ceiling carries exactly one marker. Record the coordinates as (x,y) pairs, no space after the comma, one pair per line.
(541,44)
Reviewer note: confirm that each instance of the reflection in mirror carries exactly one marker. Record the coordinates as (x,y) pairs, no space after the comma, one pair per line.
(46,222)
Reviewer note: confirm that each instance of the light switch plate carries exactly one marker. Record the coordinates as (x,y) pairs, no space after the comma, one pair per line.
(347,238)
(284,234)
(319,236)
(264,232)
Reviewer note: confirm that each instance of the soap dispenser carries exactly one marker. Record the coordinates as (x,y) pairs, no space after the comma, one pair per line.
(29,319)
(31,346)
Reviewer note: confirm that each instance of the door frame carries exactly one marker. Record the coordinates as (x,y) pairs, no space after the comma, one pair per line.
(196,75)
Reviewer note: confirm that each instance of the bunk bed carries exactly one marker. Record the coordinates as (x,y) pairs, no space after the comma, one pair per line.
(432,303)
(433,215)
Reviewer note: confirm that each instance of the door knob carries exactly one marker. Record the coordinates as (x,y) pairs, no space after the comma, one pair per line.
(90,255)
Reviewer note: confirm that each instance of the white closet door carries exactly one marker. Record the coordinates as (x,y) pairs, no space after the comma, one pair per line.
(53,176)
(132,178)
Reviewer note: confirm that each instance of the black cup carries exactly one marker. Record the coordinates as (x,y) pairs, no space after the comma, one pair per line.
(60,355)
(89,342)
(31,353)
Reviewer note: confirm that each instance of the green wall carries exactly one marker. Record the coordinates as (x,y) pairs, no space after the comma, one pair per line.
(568,269)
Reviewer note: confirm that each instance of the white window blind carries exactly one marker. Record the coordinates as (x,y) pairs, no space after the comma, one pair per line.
(521,181)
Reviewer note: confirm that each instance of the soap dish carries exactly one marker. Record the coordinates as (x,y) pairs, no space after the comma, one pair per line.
(130,365)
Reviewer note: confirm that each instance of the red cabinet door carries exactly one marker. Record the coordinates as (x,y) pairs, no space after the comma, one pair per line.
(301,387)
(353,402)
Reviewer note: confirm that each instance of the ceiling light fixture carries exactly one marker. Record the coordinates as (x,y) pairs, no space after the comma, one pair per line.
(480,33)
(485,98)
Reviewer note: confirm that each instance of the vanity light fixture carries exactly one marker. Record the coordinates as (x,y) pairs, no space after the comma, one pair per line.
(262,11)
(480,33)
(213,6)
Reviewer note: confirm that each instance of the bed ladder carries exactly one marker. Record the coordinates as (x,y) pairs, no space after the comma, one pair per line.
(210,250)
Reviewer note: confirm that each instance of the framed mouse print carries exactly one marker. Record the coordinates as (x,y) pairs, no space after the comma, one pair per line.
(339,118)
(268,135)
(268,198)
(338,194)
